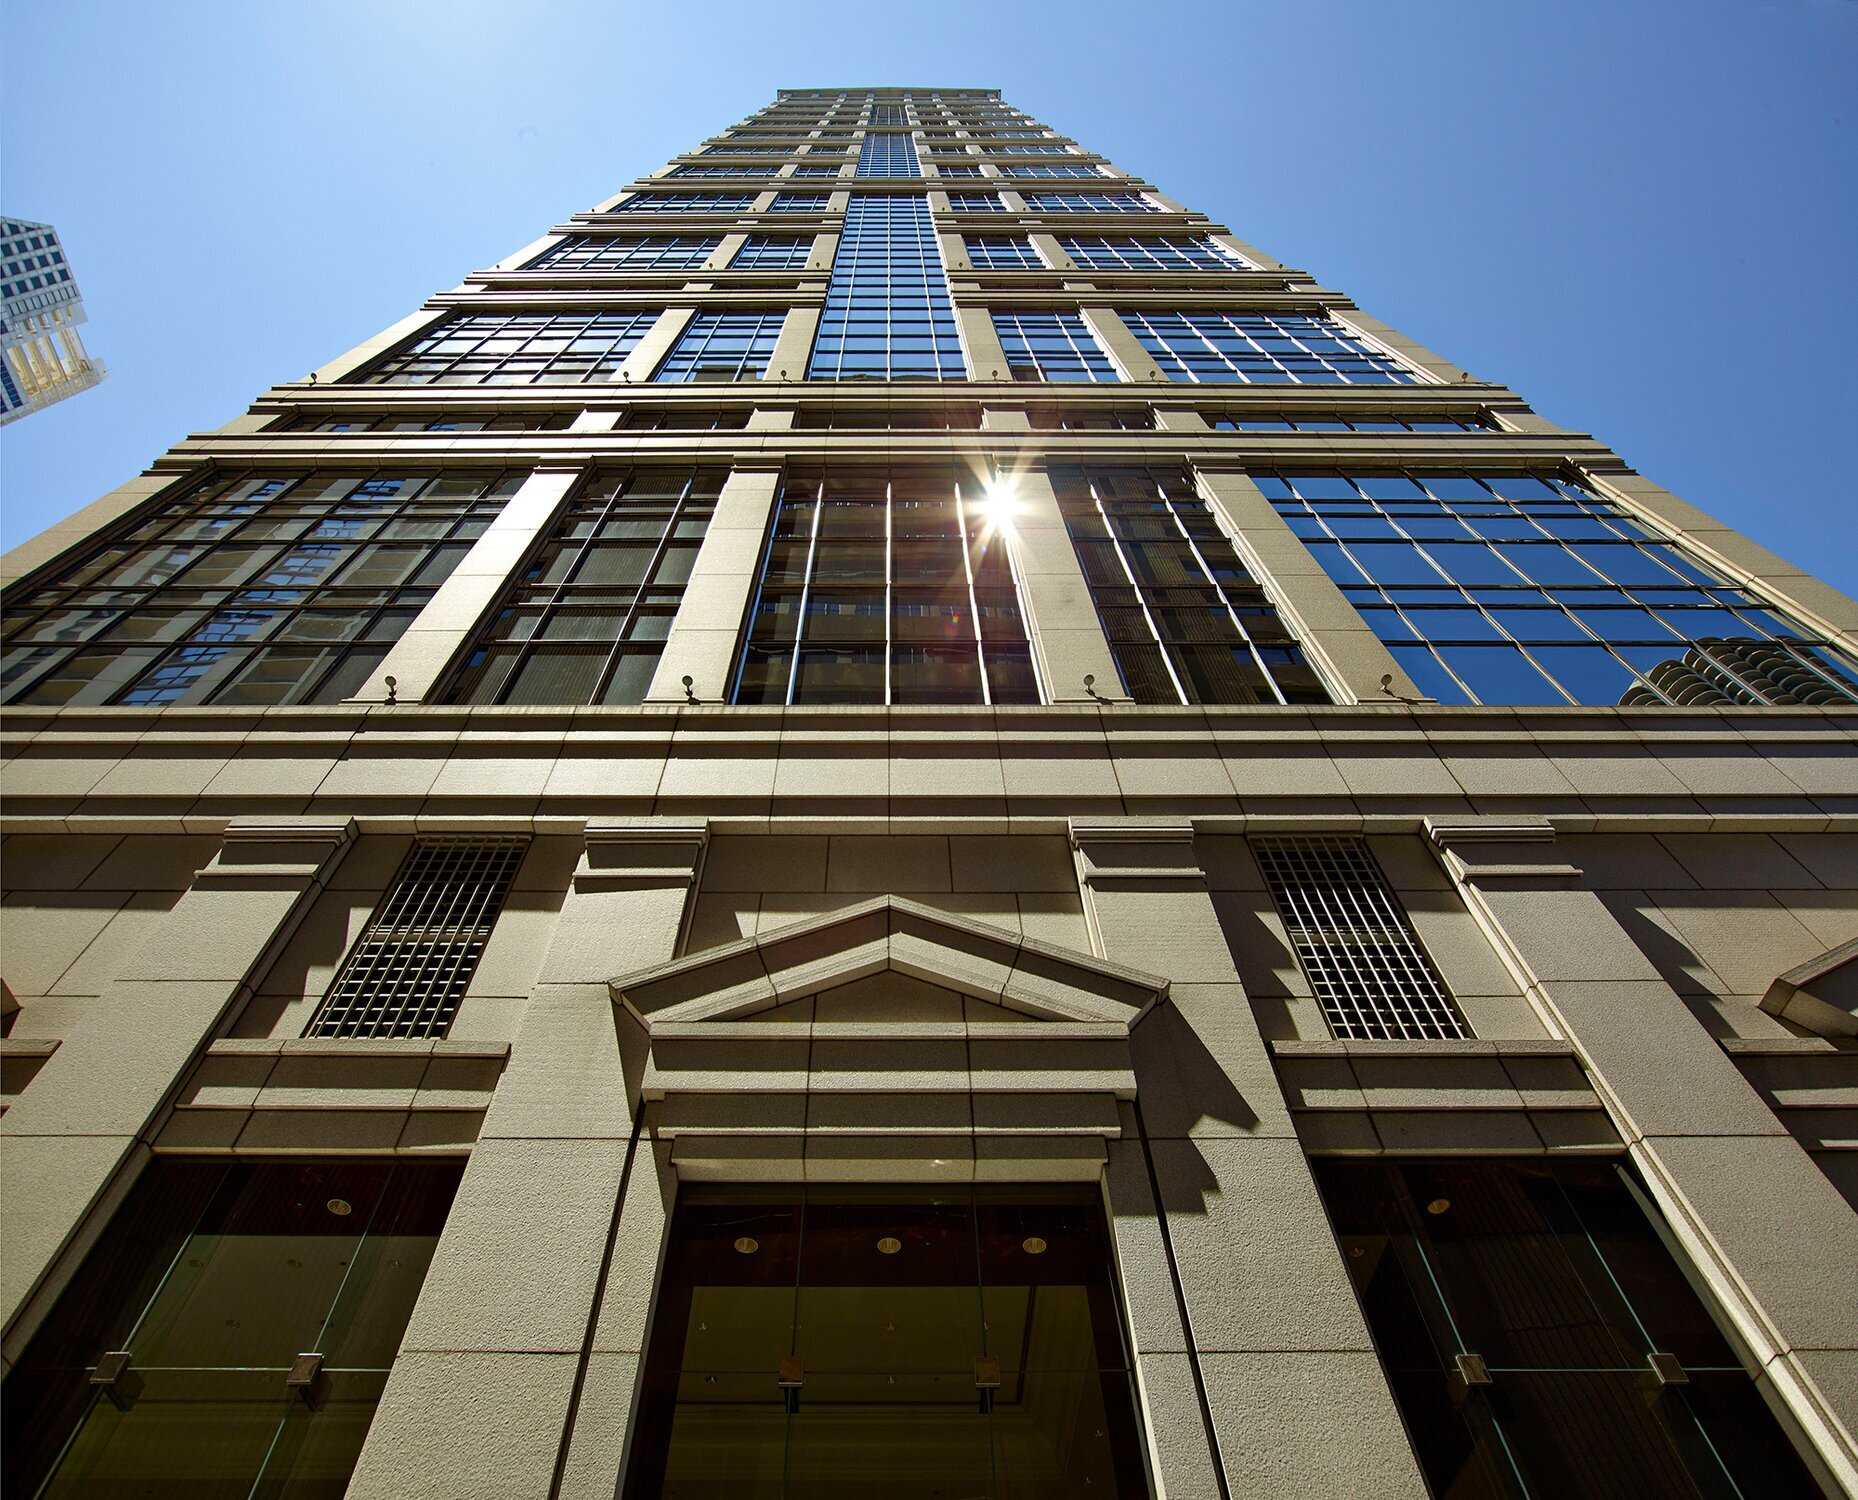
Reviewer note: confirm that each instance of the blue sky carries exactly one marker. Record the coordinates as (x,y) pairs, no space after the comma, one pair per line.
(1639,215)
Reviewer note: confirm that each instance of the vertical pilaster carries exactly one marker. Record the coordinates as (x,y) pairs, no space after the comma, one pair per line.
(73,1144)
(1067,637)
(1713,1154)
(716,596)
(1349,653)
(1280,1356)
(418,661)
(1122,346)
(497,1372)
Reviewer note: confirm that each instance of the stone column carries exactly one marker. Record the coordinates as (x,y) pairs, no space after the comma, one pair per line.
(722,581)
(1122,346)
(1275,1343)
(500,1367)
(75,1142)
(1334,634)
(981,344)
(1714,1156)
(651,350)
(1061,621)
(794,346)
(420,658)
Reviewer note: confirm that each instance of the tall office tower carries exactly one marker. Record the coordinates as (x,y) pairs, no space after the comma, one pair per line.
(42,355)
(892,819)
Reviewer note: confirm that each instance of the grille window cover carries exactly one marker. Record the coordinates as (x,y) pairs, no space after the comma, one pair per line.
(1356,946)
(410,968)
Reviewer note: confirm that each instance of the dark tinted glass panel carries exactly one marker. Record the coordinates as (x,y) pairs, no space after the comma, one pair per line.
(252,590)
(1553,1274)
(845,1343)
(214,1277)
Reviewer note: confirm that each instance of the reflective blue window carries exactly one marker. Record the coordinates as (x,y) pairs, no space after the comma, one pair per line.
(889,155)
(769,252)
(1090,203)
(586,252)
(1263,348)
(723,346)
(1055,346)
(686,203)
(888,315)
(815,170)
(1274,421)
(958,169)
(723,169)
(1029,149)
(1050,169)
(800,203)
(1530,589)
(1161,252)
(975,203)
(999,253)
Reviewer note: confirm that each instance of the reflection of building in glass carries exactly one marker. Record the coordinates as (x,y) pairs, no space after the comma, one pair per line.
(892,819)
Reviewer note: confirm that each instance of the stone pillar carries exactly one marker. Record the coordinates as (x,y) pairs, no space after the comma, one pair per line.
(1122,346)
(1714,1156)
(794,346)
(722,582)
(1275,1342)
(500,1367)
(1061,621)
(651,350)
(75,1142)
(1335,635)
(986,359)
(419,659)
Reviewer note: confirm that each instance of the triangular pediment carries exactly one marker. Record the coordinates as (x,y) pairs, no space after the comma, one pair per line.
(890,964)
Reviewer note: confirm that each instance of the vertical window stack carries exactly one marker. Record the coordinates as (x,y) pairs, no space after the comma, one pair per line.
(413,963)
(885,588)
(888,313)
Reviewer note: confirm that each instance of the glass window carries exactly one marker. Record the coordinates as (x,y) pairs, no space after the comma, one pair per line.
(1266,348)
(888,314)
(1163,252)
(999,253)
(586,252)
(800,203)
(516,349)
(1051,169)
(1091,203)
(1055,346)
(1277,421)
(770,252)
(885,588)
(250,590)
(1552,595)
(975,203)
(587,619)
(888,154)
(686,203)
(1185,621)
(214,1277)
(723,346)
(891,1314)
(1553,1274)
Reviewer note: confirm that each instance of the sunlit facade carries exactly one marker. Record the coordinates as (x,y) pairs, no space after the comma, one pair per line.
(891,817)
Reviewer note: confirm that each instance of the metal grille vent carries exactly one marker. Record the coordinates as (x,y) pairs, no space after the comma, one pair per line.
(410,968)
(1359,952)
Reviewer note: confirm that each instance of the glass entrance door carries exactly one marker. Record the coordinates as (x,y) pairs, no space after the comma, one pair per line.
(923,1347)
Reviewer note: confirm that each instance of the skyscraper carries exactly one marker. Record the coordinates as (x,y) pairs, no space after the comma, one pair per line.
(42,355)
(892,817)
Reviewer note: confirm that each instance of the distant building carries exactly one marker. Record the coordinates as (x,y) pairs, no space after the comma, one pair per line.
(42,357)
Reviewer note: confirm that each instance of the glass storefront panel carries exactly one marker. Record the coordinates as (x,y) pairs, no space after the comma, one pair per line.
(214,1278)
(833,1343)
(1554,1276)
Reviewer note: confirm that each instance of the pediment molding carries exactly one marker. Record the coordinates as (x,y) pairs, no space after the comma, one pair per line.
(888,1041)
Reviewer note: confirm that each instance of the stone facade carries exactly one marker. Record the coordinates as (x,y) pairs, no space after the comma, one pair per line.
(1626,904)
